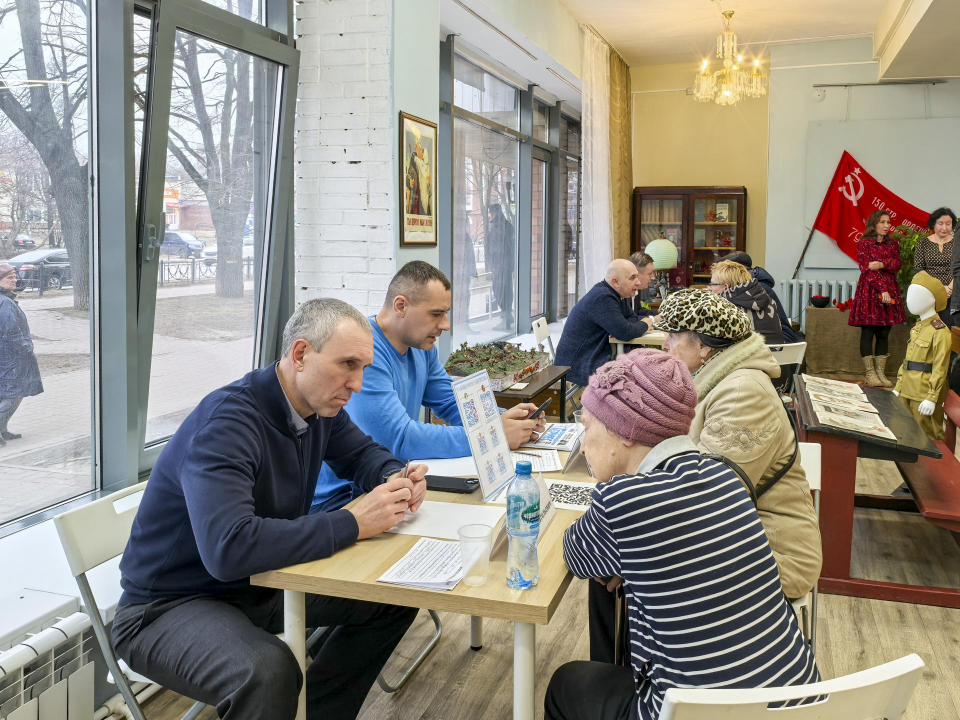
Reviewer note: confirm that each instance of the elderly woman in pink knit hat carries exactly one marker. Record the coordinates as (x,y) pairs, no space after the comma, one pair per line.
(704,607)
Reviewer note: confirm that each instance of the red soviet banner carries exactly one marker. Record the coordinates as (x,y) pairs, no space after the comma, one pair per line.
(854,194)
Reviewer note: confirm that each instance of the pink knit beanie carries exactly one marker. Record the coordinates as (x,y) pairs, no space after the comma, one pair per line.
(646,396)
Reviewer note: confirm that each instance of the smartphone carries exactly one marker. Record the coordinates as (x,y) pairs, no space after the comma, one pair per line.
(539,412)
(445,483)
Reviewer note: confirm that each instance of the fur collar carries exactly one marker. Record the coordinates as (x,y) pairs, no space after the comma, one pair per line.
(726,361)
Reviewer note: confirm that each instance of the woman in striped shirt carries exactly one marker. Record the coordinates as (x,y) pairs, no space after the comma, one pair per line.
(704,602)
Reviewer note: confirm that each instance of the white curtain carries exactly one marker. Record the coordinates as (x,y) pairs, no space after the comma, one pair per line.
(596,196)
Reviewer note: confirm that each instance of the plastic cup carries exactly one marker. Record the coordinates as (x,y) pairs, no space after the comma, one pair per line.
(578,416)
(475,553)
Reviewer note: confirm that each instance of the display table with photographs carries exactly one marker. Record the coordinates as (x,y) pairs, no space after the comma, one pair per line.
(842,442)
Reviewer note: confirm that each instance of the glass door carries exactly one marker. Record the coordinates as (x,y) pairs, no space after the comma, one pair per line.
(219,153)
(661,216)
(715,234)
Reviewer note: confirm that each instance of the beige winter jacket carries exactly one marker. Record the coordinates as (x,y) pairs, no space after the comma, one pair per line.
(741,417)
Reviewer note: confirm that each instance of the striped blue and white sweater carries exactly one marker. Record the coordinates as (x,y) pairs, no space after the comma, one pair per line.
(703,592)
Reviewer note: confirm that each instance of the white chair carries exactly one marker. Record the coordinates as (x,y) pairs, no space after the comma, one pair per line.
(541,332)
(91,535)
(806,606)
(788,355)
(880,692)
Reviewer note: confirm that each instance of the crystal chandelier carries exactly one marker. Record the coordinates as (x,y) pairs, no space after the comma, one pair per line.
(731,83)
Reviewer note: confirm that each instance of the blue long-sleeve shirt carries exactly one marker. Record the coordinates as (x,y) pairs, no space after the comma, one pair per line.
(387,408)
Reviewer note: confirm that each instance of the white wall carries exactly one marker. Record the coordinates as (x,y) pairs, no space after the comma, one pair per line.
(795,69)
(416,90)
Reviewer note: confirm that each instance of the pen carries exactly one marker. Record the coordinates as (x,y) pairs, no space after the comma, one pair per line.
(406,470)
(533,455)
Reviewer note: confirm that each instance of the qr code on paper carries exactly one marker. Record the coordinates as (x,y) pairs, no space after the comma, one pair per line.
(577,496)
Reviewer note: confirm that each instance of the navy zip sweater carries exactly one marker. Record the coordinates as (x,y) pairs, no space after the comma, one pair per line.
(230,493)
(585,342)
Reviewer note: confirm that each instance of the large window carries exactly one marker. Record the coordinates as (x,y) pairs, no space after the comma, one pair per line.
(45,390)
(108,339)
(568,256)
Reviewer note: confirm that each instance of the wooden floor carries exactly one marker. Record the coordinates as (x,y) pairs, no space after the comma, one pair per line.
(456,683)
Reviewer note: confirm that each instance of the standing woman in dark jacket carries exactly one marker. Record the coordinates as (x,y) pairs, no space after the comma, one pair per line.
(877,302)
(19,372)
(733,281)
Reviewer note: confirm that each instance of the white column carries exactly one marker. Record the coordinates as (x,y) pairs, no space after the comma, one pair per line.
(295,636)
(524,669)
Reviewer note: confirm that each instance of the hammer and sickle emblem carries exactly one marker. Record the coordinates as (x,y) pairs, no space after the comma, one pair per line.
(848,191)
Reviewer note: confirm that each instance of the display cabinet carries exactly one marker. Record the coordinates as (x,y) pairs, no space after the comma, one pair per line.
(705,223)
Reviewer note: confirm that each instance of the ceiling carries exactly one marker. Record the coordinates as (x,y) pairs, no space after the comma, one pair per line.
(931,48)
(656,32)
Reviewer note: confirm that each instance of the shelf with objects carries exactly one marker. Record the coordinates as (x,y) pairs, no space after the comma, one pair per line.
(704,222)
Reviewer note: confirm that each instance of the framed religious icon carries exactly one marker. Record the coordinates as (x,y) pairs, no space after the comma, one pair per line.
(418,172)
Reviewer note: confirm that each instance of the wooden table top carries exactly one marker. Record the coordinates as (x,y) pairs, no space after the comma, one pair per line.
(353,572)
(651,338)
(536,383)
(911,439)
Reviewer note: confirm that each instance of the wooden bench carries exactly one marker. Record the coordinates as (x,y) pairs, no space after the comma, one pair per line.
(935,484)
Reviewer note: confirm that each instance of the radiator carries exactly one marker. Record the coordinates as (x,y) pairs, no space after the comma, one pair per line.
(48,675)
(795,295)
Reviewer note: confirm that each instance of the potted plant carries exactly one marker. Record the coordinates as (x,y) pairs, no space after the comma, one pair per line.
(907,238)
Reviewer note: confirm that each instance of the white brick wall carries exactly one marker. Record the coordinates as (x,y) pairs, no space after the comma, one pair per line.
(344,159)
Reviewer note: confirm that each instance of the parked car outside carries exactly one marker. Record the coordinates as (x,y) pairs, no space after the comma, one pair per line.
(181,244)
(210,255)
(50,266)
(24,242)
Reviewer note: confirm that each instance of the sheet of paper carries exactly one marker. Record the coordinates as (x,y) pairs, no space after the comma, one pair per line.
(451,467)
(571,495)
(842,402)
(443,519)
(557,436)
(818,384)
(541,460)
(844,410)
(876,428)
(431,564)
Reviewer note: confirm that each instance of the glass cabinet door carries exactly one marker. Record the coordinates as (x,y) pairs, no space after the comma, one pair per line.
(714,227)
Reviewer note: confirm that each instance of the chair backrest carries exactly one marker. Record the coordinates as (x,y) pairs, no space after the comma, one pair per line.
(810,462)
(541,331)
(788,353)
(98,531)
(880,692)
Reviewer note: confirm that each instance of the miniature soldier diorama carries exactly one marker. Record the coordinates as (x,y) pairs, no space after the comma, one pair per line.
(922,380)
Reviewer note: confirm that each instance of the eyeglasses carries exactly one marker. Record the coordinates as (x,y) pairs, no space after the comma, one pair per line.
(716,284)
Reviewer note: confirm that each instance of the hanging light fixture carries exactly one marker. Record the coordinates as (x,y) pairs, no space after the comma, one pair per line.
(731,83)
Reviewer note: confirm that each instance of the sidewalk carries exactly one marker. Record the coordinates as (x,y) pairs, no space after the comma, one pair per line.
(52,461)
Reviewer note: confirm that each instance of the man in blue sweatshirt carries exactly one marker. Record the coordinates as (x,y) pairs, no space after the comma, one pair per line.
(585,342)
(406,374)
(229,497)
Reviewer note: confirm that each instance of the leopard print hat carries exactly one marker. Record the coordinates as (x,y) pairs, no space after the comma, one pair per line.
(704,313)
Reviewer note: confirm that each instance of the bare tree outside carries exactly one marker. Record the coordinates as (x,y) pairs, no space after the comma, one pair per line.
(43,98)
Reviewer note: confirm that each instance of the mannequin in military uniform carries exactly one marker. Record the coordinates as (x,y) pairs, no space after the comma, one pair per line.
(922,380)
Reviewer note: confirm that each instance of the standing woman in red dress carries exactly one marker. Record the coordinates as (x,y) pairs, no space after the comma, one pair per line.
(877,303)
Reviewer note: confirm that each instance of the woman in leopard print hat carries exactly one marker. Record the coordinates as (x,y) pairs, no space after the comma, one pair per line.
(740,416)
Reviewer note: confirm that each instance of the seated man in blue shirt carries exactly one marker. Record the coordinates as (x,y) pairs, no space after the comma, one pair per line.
(406,374)
(228,498)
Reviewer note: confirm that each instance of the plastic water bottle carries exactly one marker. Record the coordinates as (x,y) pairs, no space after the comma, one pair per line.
(523,527)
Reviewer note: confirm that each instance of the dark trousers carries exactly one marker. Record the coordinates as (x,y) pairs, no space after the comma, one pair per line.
(603,622)
(225,652)
(8,406)
(590,691)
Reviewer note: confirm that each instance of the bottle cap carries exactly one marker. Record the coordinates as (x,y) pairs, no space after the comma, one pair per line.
(524,467)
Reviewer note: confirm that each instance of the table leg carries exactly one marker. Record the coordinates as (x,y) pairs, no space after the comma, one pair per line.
(476,632)
(524,670)
(563,399)
(295,636)
(839,482)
